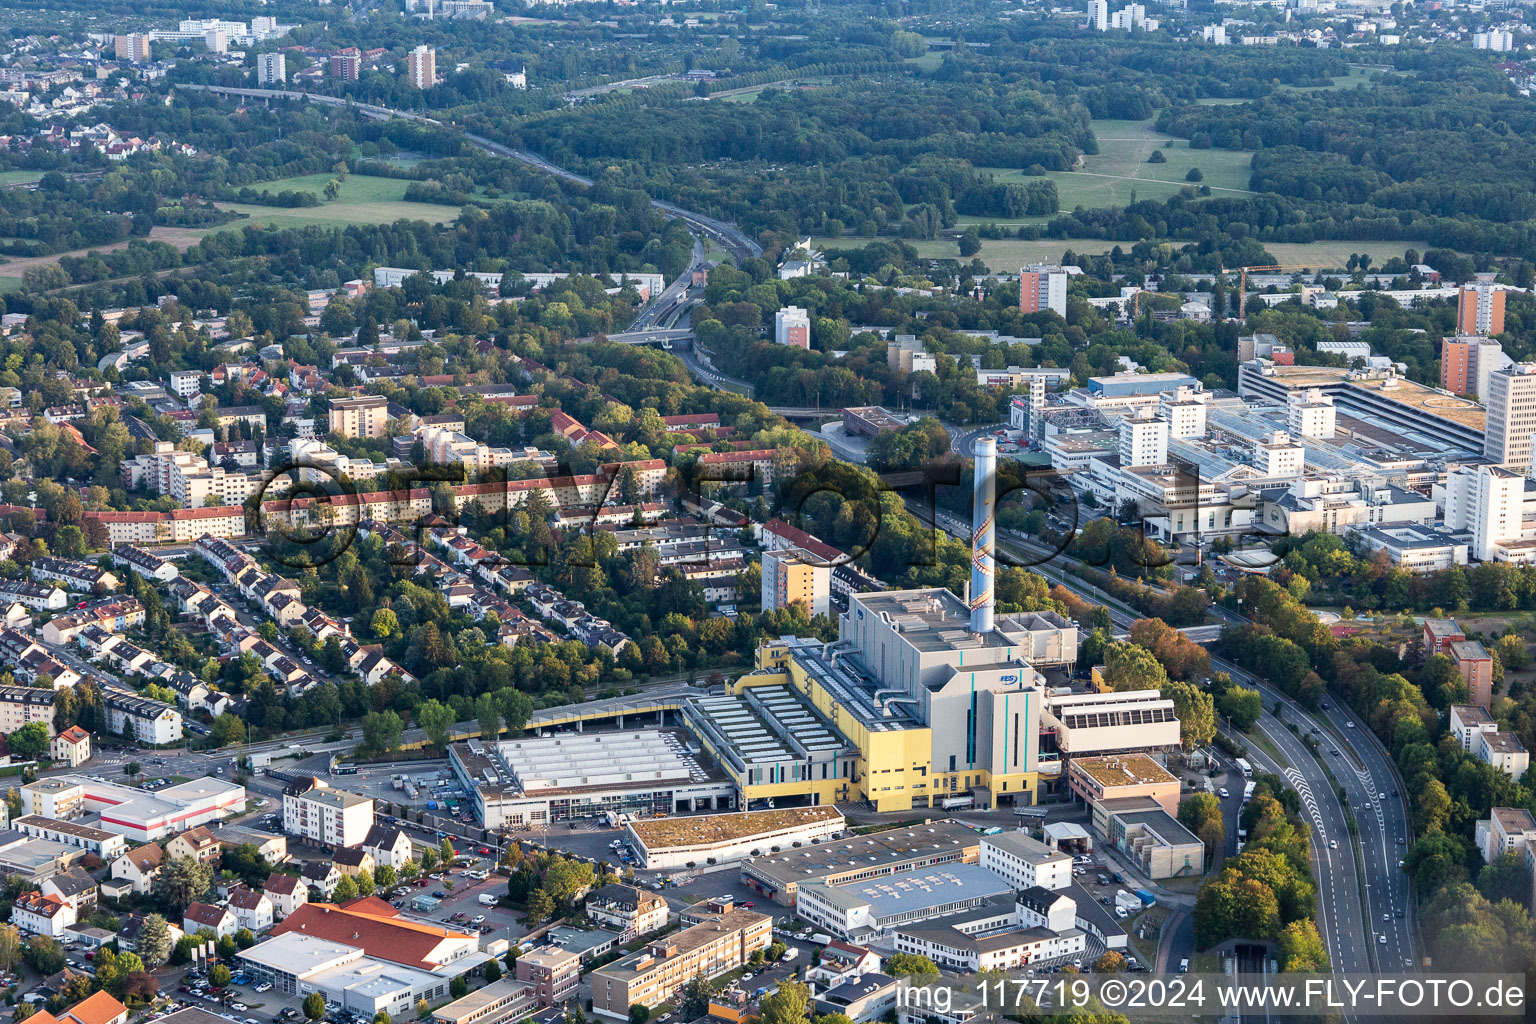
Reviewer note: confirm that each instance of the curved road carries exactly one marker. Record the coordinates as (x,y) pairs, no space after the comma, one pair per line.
(732,238)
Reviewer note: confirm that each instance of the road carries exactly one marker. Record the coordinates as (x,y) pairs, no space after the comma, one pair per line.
(1342,907)
(729,236)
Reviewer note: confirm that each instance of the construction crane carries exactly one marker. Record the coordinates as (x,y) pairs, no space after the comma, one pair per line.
(1242,281)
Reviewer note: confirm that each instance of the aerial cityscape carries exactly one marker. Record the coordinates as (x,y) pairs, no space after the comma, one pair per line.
(665,512)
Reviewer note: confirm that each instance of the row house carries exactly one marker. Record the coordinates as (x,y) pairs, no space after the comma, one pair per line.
(148,565)
(348,509)
(178,526)
(114,615)
(149,721)
(43,597)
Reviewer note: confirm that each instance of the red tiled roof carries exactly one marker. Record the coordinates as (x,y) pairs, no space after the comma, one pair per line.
(372,925)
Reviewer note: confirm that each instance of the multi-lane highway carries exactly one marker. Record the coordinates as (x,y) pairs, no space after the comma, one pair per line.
(1349,911)
(729,236)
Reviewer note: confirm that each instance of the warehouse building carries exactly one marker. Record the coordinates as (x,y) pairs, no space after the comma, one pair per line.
(779,876)
(721,838)
(861,910)
(533,781)
(133,813)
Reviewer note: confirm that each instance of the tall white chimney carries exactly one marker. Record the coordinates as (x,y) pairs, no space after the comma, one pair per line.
(983,534)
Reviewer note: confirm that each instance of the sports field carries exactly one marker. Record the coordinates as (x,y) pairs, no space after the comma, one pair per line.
(362,200)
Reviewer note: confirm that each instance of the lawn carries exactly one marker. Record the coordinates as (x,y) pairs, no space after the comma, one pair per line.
(18,177)
(362,200)
(1108,177)
(929,61)
(1330,254)
(1005,255)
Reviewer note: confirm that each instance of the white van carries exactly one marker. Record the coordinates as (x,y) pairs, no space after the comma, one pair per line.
(488,899)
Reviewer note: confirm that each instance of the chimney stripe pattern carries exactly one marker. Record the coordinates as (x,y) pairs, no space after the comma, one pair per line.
(983,534)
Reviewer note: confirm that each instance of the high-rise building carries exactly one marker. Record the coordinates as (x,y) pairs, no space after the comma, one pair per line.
(1480,309)
(216,40)
(792,326)
(1487,501)
(796,575)
(1466,363)
(1278,457)
(346,66)
(1043,287)
(1311,413)
(271,68)
(1098,15)
(421,67)
(134,46)
(1184,409)
(1511,405)
(1143,440)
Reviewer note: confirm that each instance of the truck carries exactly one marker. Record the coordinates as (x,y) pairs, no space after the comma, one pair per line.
(1148,899)
(1244,767)
(1248,791)
(821,938)
(1129,902)
(951,803)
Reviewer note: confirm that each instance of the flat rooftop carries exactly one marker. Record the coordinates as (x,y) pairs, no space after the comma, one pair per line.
(599,759)
(907,891)
(881,849)
(1472,714)
(764,724)
(934,619)
(660,833)
(1123,770)
(68,828)
(688,939)
(1025,847)
(298,954)
(1163,825)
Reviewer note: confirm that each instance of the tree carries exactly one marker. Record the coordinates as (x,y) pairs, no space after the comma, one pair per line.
(382,730)
(696,995)
(182,880)
(10,947)
(44,955)
(383,1017)
(458,988)
(384,623)
(245,938)
(218,975)
(446,850)
(1302,948)
(29,742)
(436,720)
(1132,667)
(1110,963)
(1201,814)
(1242,706)
(906,965)
(541,906)
(154,940)
(639,1013)
(789,1005)
(491,971)
(384,876)
(314,1006)
(488,716)
(422,1009)
(346,889)
(1196,711)
(970,241)
(365,882)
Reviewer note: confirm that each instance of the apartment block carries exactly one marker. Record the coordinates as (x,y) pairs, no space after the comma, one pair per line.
(796,575)
(656,973)
(326,816)
(1480,309)
(1511,408)
(792,326)
(364,416)
(1043,287)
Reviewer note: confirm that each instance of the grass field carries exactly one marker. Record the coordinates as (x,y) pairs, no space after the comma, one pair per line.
(1108,177)
(1356,76)
(18,177)
(363,200)
(1007,255)
(929,61)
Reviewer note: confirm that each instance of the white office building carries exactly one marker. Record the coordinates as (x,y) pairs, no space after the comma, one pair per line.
(1487,501)
(1023,861)
(1278,457)
(1184,409)
(792,326)
(326,816)
(1143,440)
(1311,413)
(1511,416)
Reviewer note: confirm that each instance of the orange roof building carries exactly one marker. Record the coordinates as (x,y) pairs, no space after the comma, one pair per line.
(375,927)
